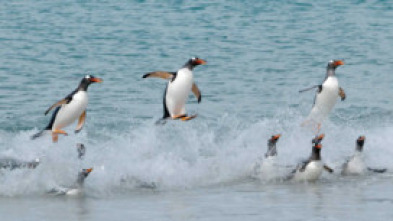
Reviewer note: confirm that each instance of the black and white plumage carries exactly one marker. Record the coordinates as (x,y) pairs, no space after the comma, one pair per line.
(67,110)
(271,146)
(326,96)
(179,86)
(75,189)
(355,165)
(311,169)
(80,147)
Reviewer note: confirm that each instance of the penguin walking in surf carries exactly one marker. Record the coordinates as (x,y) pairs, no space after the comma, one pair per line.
(179,86)
(267,168)
(326,96)
(311,169)
(67,110)
(355,165)
(74,190)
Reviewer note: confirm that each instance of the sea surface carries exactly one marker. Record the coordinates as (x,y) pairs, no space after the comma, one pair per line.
(259,55)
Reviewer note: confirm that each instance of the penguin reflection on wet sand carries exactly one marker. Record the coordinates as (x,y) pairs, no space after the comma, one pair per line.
(179,86)
(326,96)
(75,189)
(311,169)
(69,109)
(356,165)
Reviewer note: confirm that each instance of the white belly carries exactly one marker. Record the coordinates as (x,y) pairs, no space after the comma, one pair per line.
(74,192)
(68,113)
(312,172)
(325,101)
(355,166)
(177,93)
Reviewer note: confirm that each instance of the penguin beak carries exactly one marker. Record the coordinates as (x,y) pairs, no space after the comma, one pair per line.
(361,138)
(276,137)
(338,63)
(96,80)
(320,137)
(200,61)
(318,146)
(89,170)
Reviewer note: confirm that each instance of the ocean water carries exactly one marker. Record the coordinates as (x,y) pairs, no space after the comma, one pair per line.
(259,54)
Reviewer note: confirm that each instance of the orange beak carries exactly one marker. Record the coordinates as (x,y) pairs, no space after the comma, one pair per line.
(200,61)
(362,138)
(338,63)
(96,80)
(275,137)
(320,137)
(89,170)
(319,146)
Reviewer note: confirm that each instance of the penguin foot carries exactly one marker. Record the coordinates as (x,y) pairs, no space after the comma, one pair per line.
(55,135)
(184,117)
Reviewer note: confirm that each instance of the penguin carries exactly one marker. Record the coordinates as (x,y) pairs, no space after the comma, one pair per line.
(179,86)
(325,97)
(355,165)
(271,146)
(12,163)
(311,169)
(67,110)
(80,147)
(75,189)
(267,166)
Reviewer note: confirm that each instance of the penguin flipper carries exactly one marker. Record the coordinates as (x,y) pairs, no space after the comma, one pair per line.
(160,74)
(196,92)
(81,122)
(377,170)
(39,134)
(309,88)
(341,93)
(327,168)
(59,103)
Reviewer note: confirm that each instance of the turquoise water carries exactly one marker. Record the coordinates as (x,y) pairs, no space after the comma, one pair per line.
(259,54)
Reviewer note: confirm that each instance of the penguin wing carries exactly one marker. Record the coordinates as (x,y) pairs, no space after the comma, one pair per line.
(81,122)
(160,74)
(341,93)
(196,92)
(327,168)
(66,100)
(316,94)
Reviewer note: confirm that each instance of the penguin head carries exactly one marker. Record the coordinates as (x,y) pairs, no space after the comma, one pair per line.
(360,143)
(85,172)
(274,138)
(333,64)
(87,80)
(317,141)
(91,79)
(195,61)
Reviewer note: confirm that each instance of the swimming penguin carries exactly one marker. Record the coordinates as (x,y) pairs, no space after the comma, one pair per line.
(311,169)
(267,167)
(271,146)
(69,109)
(12,163)
(81,150)
(356,165)
(326,96)
(75,189)
(179,86)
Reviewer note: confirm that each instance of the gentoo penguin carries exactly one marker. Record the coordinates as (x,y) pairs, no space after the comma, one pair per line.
(69,109)
(75,189)
(311,169)
(271,146)
(179,86)
(267,167)
(326,96)
(12,163)
(356,165)
(81,150)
